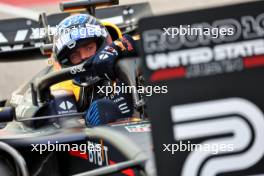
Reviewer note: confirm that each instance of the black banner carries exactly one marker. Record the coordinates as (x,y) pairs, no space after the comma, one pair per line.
(211,120)
(22,34)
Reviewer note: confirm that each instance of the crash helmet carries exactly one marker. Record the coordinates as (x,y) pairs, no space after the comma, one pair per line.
(74,31)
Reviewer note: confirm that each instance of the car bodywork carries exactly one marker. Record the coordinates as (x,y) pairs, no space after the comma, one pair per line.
(125,146)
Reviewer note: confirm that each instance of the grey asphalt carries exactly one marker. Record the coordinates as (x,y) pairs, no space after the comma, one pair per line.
(15,73)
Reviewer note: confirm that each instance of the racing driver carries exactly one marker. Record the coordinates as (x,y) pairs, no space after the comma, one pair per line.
(80,38)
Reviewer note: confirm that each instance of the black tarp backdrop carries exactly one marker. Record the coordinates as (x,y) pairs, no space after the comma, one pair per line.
(221,83)
(17,37)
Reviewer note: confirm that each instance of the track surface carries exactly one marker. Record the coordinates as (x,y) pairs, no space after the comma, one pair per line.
(14,74)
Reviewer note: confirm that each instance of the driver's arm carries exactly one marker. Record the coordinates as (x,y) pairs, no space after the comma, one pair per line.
(104,61)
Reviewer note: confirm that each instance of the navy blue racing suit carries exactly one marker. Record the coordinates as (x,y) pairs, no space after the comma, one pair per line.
(108,108)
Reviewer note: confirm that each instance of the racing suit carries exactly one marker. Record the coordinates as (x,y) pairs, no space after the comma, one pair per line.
(104,108)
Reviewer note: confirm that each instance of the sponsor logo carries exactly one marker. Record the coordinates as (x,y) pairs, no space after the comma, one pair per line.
(98,157)
(239,118)
(77,69)
(193,56)
(138,128)
(249,27)
(124,108)
(107,52)
(205,61)
(205,54)
(66,107)
(103,56)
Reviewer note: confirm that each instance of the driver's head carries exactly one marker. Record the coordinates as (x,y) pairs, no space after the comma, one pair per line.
(83,52)
(78,38)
